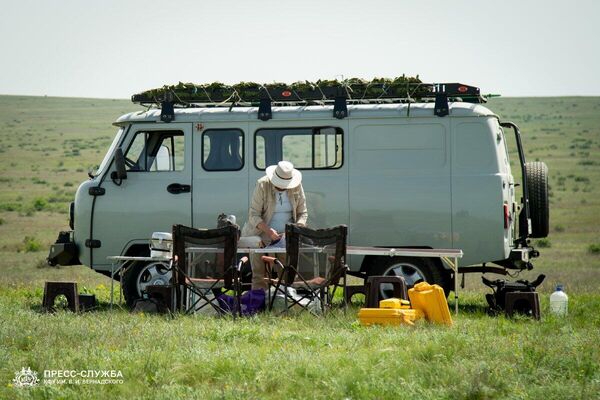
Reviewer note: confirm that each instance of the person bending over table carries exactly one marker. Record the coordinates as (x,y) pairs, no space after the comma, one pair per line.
(278,199)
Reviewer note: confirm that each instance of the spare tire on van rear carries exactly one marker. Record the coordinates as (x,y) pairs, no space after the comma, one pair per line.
(537,188)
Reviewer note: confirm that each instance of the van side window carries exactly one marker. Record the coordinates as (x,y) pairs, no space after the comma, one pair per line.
(156,151)
(222,150)
(306,148)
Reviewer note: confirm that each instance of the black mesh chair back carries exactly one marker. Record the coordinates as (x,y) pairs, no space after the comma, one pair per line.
(205,264)
(316,263)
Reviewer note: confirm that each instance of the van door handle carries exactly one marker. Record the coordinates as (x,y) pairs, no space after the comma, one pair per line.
(176,188)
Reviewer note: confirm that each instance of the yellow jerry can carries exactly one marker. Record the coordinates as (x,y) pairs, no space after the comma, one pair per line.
(391,312)
(388,316)
(431,300)
(394,303)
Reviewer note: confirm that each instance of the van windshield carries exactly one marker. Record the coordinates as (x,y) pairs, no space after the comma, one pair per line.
(109,153)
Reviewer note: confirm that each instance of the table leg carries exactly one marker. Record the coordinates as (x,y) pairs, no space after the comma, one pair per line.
(112,283)
(121,285)
(456,286)
(188,296)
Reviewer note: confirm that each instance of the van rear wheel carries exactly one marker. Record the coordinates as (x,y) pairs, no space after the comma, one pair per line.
(413,270)
(141,275)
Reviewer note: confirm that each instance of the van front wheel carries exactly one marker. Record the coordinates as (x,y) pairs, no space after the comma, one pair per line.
(141,274)
(412,269)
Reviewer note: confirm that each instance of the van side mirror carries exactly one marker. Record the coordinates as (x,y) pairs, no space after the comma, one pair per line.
(121,172)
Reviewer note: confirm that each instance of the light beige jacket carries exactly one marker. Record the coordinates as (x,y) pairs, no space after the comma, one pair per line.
(262,207)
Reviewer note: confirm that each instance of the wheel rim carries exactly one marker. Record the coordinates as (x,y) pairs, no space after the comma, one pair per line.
(410,272)
(156,273)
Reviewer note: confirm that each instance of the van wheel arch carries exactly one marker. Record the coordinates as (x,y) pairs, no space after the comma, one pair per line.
(138,250)
(132,274)
(141,274)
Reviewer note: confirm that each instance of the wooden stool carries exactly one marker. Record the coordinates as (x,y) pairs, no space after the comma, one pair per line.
(373,286)
(526,303)
(55,289)
(352,290)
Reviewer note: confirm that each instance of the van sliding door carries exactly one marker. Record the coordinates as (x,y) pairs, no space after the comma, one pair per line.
(220,176)
(318,148)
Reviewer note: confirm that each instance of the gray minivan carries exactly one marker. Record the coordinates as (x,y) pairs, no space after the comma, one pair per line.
(397,174)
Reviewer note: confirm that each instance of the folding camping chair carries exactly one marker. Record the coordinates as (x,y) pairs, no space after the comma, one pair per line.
(207,269)
(316,263)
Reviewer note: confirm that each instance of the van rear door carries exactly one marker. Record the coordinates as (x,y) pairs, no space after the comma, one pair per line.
(480,190)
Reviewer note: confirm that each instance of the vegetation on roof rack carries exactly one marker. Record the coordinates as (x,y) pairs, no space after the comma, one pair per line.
(356,89)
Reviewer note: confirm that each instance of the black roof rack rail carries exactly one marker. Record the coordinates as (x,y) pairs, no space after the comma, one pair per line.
(336,93)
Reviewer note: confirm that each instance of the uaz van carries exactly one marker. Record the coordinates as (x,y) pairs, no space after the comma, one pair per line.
(399,174)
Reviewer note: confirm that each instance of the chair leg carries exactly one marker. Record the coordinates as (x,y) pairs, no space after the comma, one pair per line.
(237,307)
(345,300)
(239,292)
(277,285)
(285,298)
(269,277)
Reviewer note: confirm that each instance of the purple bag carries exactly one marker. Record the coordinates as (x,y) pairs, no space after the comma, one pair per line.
(226,302)
(252,302)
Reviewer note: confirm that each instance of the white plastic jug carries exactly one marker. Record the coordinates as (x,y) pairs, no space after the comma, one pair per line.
(559,302)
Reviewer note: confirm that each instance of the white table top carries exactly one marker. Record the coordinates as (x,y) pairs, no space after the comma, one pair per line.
(132,258)
(350,250)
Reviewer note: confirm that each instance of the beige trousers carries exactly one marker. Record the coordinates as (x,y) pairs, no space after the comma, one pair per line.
(259,269)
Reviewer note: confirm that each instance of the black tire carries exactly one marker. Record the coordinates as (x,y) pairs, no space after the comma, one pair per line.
(539,206)
(427,269)
(138,274)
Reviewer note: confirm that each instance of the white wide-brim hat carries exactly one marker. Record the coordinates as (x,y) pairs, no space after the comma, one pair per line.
(284,175)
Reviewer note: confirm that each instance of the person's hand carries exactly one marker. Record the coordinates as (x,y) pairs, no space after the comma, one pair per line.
(273,234)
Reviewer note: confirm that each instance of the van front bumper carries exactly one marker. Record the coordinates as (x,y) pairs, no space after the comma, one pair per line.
(64,251)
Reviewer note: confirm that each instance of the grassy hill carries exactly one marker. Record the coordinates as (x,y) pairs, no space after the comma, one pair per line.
(48,144)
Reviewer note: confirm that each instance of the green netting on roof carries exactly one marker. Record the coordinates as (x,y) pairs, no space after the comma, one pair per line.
(402,87)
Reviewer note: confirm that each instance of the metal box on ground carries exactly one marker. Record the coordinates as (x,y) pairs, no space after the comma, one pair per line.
(87,302)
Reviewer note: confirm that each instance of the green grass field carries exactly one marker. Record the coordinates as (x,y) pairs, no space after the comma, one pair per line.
(46,148)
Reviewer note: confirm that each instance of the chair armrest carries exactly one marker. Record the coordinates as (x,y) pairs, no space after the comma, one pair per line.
(243,261)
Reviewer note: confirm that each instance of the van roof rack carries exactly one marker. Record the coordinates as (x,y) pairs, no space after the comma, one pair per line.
(339,93)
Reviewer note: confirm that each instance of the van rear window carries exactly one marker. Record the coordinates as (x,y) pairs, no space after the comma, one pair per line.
(306,148)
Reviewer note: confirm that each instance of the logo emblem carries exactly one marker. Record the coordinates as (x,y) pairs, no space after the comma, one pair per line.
(26,377)
(286,93)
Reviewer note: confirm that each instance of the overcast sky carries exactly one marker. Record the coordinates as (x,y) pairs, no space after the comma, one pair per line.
(112,49)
